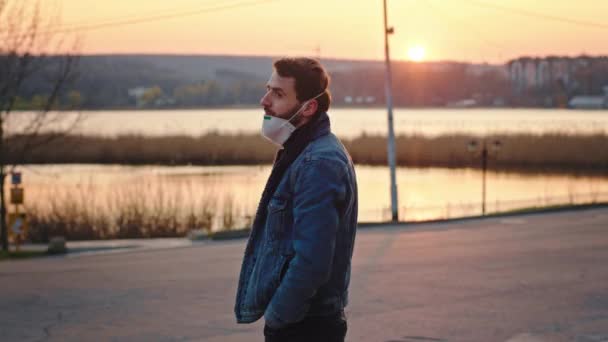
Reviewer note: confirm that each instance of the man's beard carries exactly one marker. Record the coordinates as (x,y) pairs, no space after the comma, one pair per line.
(288,115)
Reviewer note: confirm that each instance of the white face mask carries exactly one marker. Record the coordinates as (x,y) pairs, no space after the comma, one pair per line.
(278,130)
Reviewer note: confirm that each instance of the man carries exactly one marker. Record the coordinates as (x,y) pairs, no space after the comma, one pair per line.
(296,267)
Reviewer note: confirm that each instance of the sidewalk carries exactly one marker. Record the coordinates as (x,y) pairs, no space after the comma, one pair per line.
(527,278)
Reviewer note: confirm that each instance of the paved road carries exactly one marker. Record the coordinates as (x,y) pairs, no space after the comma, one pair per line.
(527,278)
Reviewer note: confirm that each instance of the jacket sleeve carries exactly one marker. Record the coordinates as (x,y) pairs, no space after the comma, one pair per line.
(318,188)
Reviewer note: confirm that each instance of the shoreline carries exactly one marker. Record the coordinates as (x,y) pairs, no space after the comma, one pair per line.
(103,246)
(529,153)
(252,106)
(594,173)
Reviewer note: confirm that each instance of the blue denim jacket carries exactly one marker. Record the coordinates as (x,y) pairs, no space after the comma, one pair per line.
(298,264)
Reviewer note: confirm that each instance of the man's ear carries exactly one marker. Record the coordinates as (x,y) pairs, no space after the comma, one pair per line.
(311,108)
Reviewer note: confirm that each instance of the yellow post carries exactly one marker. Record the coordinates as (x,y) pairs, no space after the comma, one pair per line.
(17,221)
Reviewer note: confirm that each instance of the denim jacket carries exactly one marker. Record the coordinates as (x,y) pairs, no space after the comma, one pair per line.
(298,264)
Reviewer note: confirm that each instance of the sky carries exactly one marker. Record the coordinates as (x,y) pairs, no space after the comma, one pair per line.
(492,31)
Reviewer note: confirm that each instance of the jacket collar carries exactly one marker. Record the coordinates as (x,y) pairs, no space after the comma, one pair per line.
(316,128)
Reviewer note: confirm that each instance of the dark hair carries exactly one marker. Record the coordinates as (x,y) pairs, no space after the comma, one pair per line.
(311,79)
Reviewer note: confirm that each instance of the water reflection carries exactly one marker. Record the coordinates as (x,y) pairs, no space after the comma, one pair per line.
(350,122)
(429,193)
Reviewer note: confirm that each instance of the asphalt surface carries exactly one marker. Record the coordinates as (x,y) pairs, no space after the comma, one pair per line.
(528,278)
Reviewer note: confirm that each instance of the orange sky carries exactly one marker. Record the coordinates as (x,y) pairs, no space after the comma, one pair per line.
(464,30)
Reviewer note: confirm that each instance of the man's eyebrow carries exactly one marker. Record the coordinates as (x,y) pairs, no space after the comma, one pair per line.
(276,89)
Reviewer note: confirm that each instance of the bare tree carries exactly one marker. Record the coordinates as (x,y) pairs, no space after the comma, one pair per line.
(30,41)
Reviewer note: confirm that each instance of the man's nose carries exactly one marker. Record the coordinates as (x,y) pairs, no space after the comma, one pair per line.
(264,101)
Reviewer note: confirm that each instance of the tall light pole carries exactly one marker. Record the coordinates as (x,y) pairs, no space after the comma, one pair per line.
(391,133)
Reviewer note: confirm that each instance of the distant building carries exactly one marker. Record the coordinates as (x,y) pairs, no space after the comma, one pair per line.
(590,102)
(466,103)
(587,102)
(481,69)
(532,74)
(139,94)
(359,99)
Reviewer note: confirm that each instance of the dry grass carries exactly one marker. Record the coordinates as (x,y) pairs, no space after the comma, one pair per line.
(141,210)
(521,151)
(167,209)
(558,152)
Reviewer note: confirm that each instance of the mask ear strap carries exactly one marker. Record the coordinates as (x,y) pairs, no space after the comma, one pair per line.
(314,98)
(304,105)
(318,95)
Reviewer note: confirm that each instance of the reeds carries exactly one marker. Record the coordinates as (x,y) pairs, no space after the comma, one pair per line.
(559,152)
(522,152)
(170,208)
(140,210)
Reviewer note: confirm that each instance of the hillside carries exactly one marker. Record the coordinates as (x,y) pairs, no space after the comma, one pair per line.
(192,81)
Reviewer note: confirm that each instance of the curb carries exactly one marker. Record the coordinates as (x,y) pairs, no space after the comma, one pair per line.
(244,233)
(517,212)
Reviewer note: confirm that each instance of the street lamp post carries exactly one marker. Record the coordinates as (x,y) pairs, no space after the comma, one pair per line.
(391,134)
(495,147)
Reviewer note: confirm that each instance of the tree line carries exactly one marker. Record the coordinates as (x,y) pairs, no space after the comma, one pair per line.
(116,82)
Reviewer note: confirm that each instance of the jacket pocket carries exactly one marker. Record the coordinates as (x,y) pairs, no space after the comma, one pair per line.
(276,218)
(271,271)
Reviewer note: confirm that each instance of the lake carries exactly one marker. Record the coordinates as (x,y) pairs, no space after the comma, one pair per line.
(424,193)
(349,123)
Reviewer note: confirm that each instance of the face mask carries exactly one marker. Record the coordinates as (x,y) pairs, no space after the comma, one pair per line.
(278,130)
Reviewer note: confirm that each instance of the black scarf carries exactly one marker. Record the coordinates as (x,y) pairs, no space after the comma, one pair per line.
(292,148)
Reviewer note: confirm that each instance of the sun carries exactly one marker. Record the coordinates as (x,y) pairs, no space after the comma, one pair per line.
(416,53)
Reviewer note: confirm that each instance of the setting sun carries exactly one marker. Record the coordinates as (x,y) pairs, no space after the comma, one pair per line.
(416,53)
